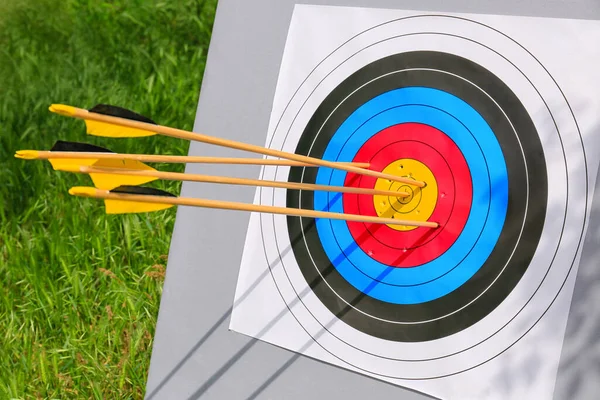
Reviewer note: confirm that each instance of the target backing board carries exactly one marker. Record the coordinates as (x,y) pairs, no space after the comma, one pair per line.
(500,116)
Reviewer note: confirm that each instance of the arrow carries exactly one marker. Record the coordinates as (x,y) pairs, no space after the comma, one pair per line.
(112,121)
(112,173)
(65,150)
(119,177)
(127,199)
(108,173)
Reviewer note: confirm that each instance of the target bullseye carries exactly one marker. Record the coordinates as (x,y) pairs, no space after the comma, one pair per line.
(418,205)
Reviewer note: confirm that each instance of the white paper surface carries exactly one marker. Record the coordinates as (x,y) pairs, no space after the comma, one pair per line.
(324,46)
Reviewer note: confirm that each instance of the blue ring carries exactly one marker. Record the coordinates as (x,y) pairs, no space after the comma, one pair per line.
(460,122)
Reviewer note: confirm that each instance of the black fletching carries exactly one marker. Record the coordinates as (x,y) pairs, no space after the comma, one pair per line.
(77,147)
(141,190)
(119,112)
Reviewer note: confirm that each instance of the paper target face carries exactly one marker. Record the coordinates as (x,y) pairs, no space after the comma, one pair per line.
(487,111)
(472,113)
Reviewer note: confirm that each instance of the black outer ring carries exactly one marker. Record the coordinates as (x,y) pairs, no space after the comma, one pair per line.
(525,248)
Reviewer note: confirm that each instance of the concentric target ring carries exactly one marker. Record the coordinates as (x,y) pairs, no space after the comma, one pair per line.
(453,287)
(406,331)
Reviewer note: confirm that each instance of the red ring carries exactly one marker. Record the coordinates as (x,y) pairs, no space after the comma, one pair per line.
(441,155)
(384,243)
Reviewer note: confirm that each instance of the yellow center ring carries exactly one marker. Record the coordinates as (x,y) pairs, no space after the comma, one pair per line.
(420,203)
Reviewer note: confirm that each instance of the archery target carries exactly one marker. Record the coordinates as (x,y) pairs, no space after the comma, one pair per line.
(474,114)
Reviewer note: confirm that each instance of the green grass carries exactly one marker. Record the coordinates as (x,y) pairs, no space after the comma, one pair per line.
(79,290)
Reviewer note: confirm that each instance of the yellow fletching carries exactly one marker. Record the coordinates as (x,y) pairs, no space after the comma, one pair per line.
(119,206)
(105,181)
(132,207)
(112,130)
(111,181)
(70,164)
